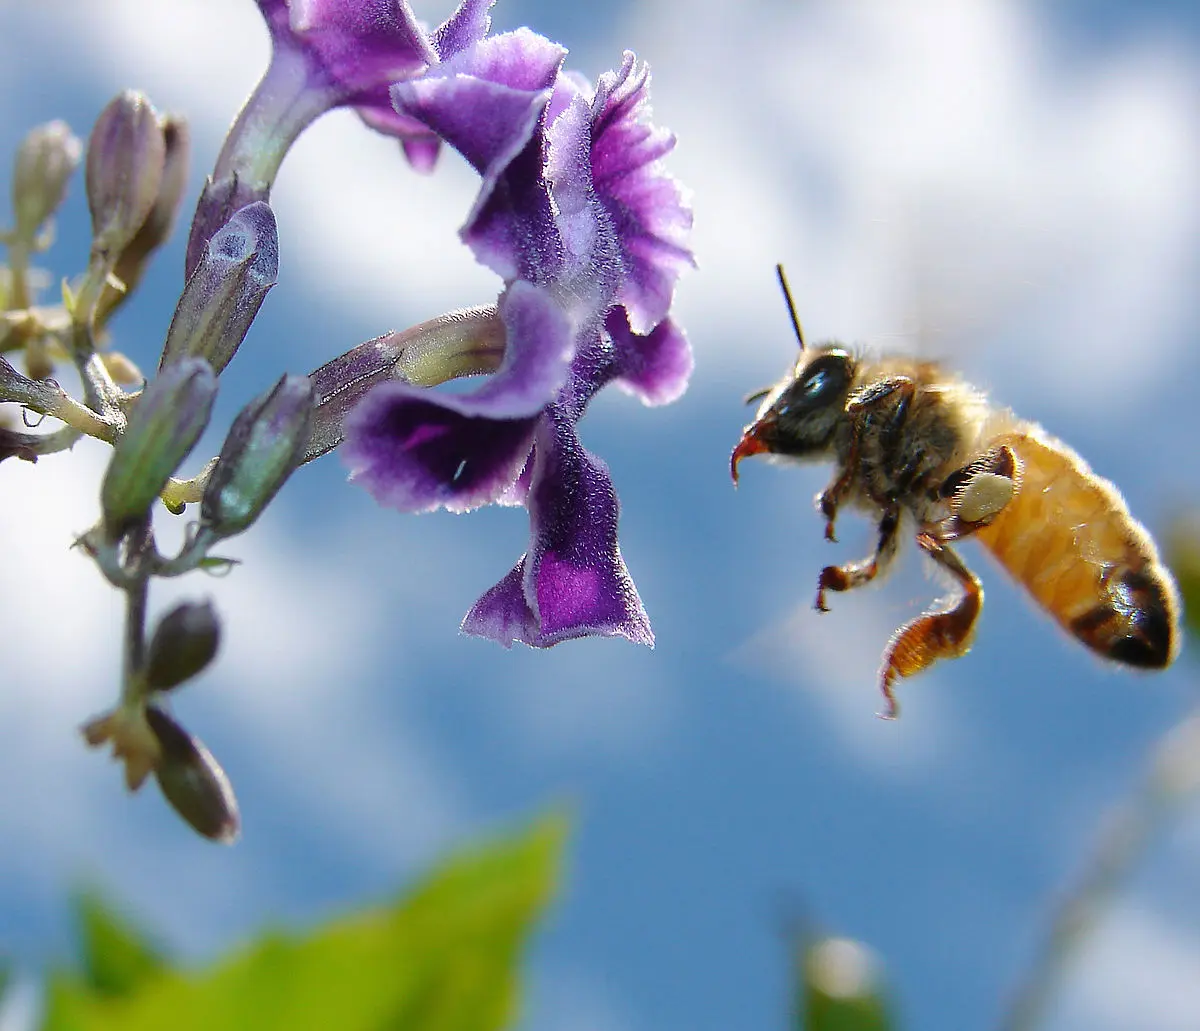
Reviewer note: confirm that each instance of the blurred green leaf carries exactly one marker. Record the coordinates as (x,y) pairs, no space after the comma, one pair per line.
(840,989)
(1183,556)
(117,958)
(5,978)
(444,958)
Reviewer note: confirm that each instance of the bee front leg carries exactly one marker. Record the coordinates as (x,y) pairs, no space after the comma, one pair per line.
(940,634)
(831,497)
(855,574)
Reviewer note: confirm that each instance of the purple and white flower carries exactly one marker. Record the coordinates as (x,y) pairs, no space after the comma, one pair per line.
(589,235)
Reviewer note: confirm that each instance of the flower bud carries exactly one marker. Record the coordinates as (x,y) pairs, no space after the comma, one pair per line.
(45,162)
(121,368)
(223,295)
(184,643)
(164,427)
(135,256)
(841,986)
(125,159)
(264,446)
(218,202)
(193,781)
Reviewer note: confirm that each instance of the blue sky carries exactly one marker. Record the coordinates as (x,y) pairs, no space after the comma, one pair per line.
(1008,188)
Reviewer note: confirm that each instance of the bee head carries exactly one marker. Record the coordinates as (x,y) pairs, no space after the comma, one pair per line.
(799,416)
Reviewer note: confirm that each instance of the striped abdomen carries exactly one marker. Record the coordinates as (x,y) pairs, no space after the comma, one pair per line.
(1068,537)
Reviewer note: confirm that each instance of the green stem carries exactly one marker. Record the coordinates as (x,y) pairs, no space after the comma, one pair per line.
(278,110)
(136,594)
(178,493)
(18,267)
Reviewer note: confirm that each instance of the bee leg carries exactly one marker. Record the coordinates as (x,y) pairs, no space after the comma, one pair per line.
(978,492)
(855,574)
(865,400)
(939,634)
(831,497)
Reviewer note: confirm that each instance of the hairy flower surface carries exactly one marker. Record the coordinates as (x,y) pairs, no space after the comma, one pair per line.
(589,235)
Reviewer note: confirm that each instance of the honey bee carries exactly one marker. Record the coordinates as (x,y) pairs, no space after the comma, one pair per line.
(914,445)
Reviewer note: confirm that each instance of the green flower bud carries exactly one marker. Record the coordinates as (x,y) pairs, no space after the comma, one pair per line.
(841,987)
(164,427)
(46,159)
(264,446)
(193,781)
(223,294)
(125,159)
(184,643)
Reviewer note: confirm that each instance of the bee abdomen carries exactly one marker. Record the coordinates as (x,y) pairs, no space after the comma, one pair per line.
(1069,538)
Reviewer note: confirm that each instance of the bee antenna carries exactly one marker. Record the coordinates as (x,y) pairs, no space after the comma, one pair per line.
(787,296)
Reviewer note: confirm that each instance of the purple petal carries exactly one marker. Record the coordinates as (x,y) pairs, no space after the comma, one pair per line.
(517,495)
(467,25)
(413,451)
(590,246)
(503,614)
(538,348)
(654,367)
(488,103)
(520,59)
(512,228)
(358,46)
(417,450)
(422,152)
(647,206)
(573,581)
(488,123)
(421,146)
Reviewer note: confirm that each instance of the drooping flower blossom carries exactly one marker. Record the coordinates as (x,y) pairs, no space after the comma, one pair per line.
(589,235)
(327,54)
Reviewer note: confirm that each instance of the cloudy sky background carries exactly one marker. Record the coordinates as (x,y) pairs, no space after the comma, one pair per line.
(1010,187)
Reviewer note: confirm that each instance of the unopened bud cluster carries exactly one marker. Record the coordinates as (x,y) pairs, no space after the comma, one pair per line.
(146,739)
(134,169)
(135,164)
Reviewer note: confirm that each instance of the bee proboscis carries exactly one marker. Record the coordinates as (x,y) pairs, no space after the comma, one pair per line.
(914,445)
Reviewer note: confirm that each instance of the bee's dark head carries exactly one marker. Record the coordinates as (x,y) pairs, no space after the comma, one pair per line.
(799,414)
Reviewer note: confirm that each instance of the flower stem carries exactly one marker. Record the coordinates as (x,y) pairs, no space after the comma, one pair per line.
(45,397)
(178,493)
(136,594)
(281,106)
(18,267)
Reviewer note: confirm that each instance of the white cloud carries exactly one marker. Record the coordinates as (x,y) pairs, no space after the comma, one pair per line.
(571,999)
(825,660)
(295,689)
(1140,970)
(933,177)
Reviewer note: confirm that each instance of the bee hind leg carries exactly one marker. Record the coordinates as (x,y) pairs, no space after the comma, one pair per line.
(855,574)
(978,492)
(939,634)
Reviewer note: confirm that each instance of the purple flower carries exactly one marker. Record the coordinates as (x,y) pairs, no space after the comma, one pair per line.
(327,54)
(589,235)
